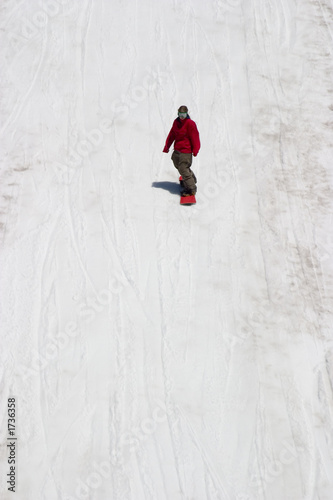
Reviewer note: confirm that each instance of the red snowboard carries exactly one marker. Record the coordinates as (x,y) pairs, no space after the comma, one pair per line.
(186,200)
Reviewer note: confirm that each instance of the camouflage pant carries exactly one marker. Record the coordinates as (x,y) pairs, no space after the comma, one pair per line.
(183,162)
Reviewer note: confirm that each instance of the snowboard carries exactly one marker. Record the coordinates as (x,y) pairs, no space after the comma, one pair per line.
(186,200)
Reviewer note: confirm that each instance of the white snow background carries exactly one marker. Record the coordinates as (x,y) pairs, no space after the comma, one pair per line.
(156,351)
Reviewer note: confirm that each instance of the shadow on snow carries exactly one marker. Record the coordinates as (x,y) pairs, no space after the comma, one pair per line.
(172,187)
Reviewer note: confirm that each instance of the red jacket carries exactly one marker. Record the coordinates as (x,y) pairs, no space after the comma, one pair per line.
(186,137)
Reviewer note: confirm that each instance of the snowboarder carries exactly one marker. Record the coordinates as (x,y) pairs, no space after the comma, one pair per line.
(185,134)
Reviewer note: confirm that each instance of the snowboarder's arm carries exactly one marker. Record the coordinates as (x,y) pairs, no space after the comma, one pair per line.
(169,141)
(194,138)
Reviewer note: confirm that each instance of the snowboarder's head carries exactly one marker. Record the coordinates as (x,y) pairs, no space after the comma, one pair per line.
(182,112)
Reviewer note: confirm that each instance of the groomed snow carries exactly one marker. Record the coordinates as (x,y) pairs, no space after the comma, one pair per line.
(156,351)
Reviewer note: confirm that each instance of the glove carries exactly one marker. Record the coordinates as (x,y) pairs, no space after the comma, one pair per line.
(165,150)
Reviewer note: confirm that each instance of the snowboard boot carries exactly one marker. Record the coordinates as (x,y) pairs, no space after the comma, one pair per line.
(188,193)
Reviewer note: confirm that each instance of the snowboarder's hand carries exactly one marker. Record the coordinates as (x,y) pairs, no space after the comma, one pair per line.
(165,150)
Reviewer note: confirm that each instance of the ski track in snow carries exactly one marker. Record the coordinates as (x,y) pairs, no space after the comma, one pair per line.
(156,351)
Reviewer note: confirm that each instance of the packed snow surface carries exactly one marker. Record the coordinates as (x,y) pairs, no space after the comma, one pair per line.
(155,351)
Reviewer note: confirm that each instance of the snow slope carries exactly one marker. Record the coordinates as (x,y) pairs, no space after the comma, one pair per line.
(157,351)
